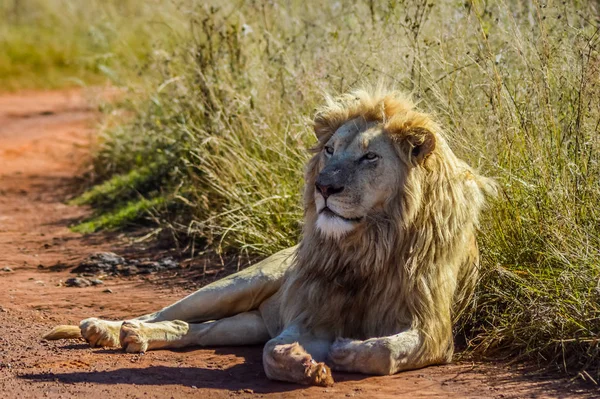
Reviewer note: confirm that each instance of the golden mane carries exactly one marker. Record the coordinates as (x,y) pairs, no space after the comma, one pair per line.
(412,267)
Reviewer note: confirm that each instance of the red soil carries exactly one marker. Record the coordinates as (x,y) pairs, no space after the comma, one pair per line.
(44,140)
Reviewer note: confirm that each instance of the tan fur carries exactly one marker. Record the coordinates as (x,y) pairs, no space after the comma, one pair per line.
(373,288)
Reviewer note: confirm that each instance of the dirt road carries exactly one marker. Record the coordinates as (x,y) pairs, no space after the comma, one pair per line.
(44,139)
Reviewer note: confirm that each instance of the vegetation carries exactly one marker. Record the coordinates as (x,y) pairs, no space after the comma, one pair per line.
(220,132)
(57,43)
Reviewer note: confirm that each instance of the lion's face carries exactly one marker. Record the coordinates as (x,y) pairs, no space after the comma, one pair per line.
(358,170)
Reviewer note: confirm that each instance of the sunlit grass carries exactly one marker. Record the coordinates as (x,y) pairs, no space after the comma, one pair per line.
(123,215)
(58,43)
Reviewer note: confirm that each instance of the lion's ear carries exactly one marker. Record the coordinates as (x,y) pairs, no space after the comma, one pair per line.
(420,143)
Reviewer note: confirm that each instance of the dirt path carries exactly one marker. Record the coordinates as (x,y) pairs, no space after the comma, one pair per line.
(43,140)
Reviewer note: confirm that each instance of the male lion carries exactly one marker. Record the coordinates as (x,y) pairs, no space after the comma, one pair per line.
(388,257)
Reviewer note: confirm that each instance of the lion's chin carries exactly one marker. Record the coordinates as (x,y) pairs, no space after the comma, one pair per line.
(334,226)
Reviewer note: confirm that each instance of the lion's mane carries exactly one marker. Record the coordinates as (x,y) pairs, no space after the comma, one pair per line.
(415,265)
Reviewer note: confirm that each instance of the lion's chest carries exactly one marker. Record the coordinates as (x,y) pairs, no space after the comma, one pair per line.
(350,307)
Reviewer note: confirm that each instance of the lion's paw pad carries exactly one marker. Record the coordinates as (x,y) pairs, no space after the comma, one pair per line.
(295,364)
(319,374)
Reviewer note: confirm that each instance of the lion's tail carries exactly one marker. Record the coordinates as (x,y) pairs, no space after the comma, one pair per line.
(63,332)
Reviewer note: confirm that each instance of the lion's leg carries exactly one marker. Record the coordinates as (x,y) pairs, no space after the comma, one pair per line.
(237,293)
(382,356)
(242,329)
(296,357)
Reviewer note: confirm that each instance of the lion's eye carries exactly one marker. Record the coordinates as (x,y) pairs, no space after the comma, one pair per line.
(329,150)
(370,156)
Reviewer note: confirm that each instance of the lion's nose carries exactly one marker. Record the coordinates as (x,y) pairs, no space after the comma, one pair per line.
(327,190)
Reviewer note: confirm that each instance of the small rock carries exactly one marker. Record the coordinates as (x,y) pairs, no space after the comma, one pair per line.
(99,262)
(130,271)
(148,265)
(96,281)
(78,282)
(40,266)
(7,269)
(108,291)
(169,263)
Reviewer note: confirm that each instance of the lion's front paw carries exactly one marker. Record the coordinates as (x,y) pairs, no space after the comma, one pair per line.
(100,332)
(319,374)
(373,356)
(290,362)
(343,353)
(132,337)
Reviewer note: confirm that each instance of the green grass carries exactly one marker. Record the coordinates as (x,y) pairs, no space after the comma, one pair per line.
(219,130)
(125,186)
(121,216)
(58,43)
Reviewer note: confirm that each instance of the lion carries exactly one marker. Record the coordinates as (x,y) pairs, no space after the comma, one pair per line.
(387,259)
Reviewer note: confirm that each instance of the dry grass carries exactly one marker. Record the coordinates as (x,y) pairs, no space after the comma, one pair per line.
(221,130)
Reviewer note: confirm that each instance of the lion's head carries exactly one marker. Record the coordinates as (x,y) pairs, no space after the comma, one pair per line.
(374,152)
(390,221)
(356,174)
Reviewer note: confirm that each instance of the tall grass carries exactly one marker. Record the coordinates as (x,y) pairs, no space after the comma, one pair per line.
(57,43)
(220,132)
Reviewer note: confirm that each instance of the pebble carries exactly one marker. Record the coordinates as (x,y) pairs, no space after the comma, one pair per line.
(7,269)
(78,282)
(108,291)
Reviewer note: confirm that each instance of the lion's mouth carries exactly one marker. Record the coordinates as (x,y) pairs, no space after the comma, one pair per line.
(328,212)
